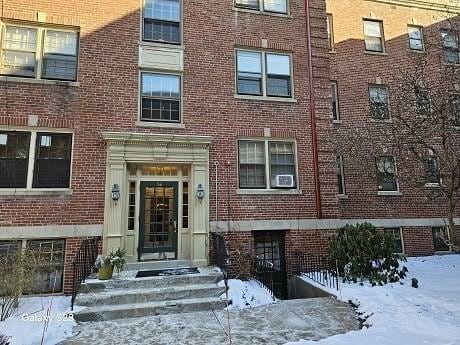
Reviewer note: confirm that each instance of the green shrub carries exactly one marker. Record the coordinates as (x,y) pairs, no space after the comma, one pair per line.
(362,253)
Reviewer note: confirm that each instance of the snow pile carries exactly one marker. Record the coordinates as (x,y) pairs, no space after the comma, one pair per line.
(402,315)
(26,327)
(247,294)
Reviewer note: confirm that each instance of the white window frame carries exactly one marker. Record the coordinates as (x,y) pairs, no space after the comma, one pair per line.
(264,73)
(261,8)
(39,52)
(335,92)
(161,43)
(388,192)
(31,162)
(339,159)
(400,236)
(330,31)
(381,86)
(268,188)
(382,36)
(422,38)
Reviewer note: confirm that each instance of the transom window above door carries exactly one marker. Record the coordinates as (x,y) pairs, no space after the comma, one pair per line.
(265,164)
(276,6)
(263,74)
(160,99)
(162,19)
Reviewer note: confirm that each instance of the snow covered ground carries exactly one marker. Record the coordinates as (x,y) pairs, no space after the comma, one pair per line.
(27,326)
(247,294)
(402,315)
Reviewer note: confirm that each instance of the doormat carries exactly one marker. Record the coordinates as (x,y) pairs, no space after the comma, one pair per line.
(167,272)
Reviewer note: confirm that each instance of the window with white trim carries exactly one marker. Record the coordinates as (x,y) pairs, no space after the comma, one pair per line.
(35,159)
(275,6)
(373,36)
(450,46)
(396,235)
(379,102)
(335,101)
(386,174)
(267,164)
(263,74)
(38,52)
(423,102)
(431,169)
(340,175)
(415,34)
(330,31)
(162,21)
(455,108)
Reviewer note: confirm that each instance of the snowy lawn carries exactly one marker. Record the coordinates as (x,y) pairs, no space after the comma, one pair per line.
(27,326)
(402,315)
(246,294)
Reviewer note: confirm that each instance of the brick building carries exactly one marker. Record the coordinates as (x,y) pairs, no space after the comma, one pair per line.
(155,123)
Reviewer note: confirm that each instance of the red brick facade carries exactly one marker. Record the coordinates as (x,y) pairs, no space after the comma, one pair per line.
(106,96)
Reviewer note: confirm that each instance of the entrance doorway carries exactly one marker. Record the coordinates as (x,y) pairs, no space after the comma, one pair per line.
(158,235)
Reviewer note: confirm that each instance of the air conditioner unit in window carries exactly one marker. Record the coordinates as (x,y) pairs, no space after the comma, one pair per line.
(285,181)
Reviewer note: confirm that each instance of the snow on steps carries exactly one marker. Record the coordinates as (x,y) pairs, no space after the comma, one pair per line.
(128,297)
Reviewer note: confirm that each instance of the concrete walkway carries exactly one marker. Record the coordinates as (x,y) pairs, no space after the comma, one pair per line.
(310,319)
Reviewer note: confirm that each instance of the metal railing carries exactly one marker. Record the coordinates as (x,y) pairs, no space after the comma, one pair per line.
(262,271)
(318,268)
(83,264)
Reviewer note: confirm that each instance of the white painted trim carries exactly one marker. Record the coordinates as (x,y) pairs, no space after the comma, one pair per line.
(324,224)
(49,231)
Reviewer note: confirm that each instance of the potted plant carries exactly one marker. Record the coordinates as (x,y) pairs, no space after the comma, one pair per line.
(106,263)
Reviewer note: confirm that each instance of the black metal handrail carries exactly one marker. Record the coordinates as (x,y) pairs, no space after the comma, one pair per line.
(318,268)
(262,271)
(83,264)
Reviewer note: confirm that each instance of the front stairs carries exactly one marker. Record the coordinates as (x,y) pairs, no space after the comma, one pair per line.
(125,296)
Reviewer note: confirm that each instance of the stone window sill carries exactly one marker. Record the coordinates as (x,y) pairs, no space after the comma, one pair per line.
(337,122)
(269,192)
(342,196)
(390,193)
(39,81)
(36,192)
(266,99)
(375,53)
(273,14)
(160,125)
(431,185)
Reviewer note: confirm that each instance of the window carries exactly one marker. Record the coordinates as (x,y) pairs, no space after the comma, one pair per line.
(415,34)
(52,252)
(373,36)
(266,164)
(20,47)
(450,46)
(455,108)
(396,234)
(431,169)
(440,239)
(9,248)
(330,32)
(185,204)
(160,97)
(52,160)
(340,175)
(423,102)
(277,6)
(132,206)
(162,21)
(386,174)
(51,157)
(251,67)
(335,101)
(14,159)
(379,107)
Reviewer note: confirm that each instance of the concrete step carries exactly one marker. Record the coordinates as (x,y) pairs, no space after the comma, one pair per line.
(157,265)
(127,283)
(122,311)
(129,296)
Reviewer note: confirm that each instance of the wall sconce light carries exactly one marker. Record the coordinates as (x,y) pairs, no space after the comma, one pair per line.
(115,192)
(200,192)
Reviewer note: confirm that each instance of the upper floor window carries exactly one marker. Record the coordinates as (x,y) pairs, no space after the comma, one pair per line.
(50,154)
(450,46)
(455,108)
(162,21)
(379,104)
(263,74)
(373,36)
(340,175)
(335,101)
(386,174)
(265,164)
(423,101)
(415,34)
(277,6)
(37,52)
(330,32)
(160,99)
(431,169)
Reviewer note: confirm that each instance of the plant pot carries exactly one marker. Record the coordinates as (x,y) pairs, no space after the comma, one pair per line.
(105,272)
